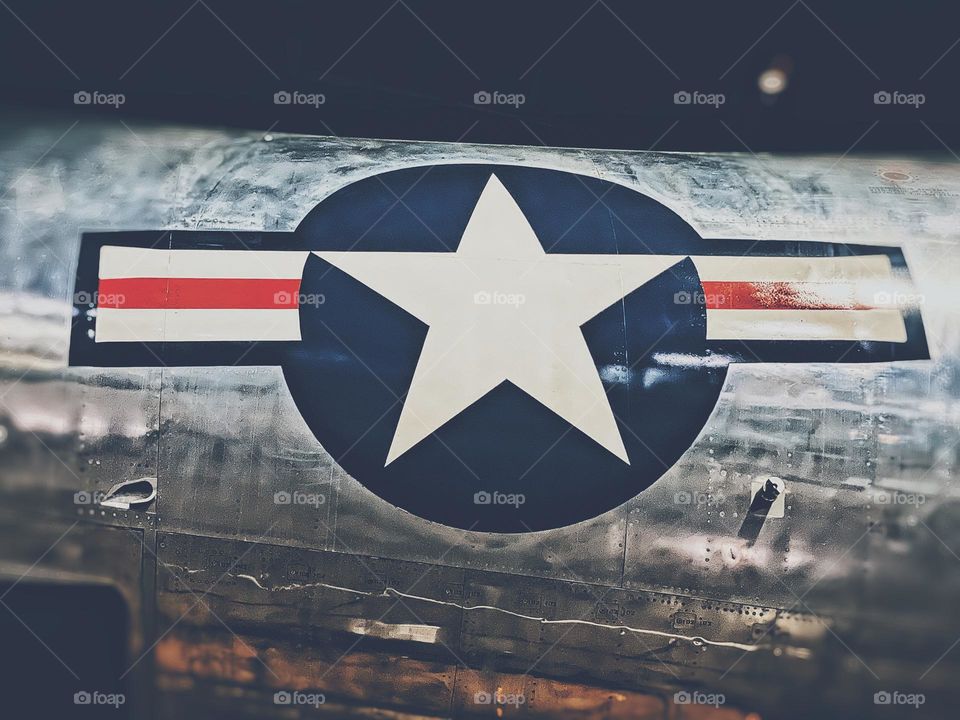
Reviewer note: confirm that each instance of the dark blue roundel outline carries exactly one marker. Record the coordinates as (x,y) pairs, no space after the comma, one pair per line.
(351,371)
(359,352)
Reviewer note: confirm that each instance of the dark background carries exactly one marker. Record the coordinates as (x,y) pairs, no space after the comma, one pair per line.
(83,626)
(594,74)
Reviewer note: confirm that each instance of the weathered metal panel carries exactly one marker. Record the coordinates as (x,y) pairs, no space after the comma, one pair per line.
(861,571)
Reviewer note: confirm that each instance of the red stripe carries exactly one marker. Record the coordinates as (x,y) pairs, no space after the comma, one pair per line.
(199,293)
(780,296)
(271,293)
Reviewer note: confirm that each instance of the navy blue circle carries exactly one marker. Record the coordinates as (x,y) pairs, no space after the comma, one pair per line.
(359,351)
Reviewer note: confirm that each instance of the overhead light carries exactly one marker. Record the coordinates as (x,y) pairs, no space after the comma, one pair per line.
(772,81)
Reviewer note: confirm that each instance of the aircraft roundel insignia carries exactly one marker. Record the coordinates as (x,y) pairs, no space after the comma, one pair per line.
(494,347)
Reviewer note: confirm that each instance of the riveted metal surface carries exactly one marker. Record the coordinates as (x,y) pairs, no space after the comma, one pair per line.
(857,579)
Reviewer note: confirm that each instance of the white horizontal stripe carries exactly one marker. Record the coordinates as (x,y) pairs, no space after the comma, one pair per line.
(879,325)
(124,262)
(791,269)
(121,262)
(159,325)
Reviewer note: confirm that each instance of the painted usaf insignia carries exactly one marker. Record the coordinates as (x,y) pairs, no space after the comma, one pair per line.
(498,347)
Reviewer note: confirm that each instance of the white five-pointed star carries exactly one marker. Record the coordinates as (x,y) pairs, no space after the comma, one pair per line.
(501,309)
